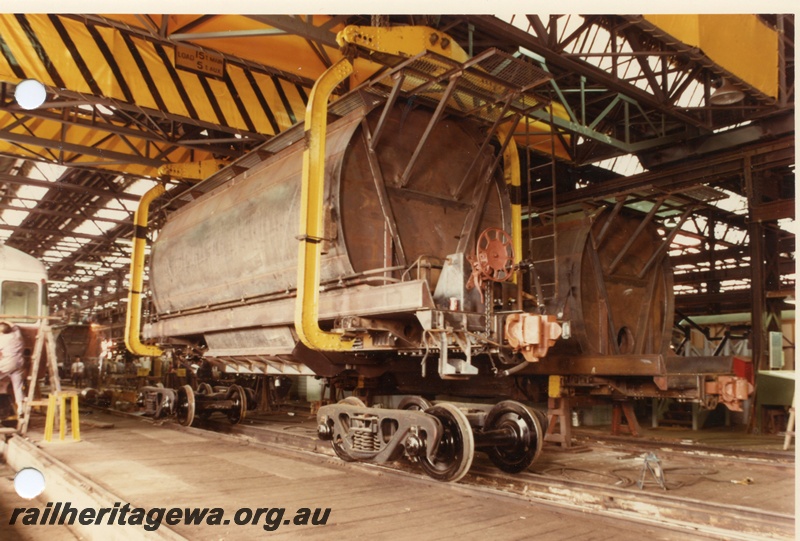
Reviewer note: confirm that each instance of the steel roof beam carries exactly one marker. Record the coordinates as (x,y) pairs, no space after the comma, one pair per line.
(694,303)
(227,34)
(553,57)
(736,252)
(155,37)
(37,211)
(591,133)
(295,25)
(47,234)
(741,272)
(103,123)
(701,171)
(136,111)
(112,156)
(757,131)
(66,186)
(773,210)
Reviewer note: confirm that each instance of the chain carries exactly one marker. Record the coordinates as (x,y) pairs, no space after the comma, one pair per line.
(488,302)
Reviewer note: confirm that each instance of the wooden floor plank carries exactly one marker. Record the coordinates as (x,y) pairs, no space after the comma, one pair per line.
(153,466)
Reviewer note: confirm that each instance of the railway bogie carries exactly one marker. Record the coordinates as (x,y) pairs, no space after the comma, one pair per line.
(442,437)
(184,403)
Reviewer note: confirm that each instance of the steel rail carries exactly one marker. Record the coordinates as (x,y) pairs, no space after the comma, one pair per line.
(654,507)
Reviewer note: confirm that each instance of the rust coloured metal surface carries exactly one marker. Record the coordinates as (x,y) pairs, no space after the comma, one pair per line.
(614,285)
(378,221)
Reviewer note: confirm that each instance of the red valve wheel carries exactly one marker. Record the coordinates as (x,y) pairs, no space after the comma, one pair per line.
(494,253)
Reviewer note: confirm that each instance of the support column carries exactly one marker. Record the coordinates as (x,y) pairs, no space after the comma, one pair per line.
(624,408)
(758,340)
(764,268)
(558,414)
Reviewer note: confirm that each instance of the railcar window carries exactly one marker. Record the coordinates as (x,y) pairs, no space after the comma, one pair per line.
(19,299)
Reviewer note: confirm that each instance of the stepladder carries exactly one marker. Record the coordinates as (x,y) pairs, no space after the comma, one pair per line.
(44,348)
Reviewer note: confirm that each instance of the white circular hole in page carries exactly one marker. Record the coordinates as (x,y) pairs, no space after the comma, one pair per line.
(29,483)
(30,94)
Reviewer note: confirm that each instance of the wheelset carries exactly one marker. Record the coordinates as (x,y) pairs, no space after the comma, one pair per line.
(455,449)
(512,436)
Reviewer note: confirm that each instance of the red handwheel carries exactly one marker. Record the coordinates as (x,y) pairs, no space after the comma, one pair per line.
(494,253)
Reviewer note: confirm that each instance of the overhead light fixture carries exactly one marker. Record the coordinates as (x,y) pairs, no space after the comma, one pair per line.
(30,94)
(726,94)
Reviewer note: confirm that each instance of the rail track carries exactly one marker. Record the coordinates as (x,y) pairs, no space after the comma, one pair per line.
(764,457)
(611,479)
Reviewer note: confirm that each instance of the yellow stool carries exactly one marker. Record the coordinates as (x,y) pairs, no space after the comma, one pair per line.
(62,396)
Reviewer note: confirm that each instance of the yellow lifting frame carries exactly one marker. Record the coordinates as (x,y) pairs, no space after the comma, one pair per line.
(402,40)
(133,316)
(312,195)
(198,170)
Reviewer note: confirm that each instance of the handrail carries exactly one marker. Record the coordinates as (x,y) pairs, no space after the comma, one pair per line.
(133,316)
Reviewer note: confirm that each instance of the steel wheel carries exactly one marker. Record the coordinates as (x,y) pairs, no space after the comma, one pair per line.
(353,401)
(542,418)
(204,389)
(416,403)
(527,428)
(239,406)
(456,446)
(184,406)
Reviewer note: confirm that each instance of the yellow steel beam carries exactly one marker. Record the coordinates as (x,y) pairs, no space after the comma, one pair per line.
(191,170)
(538,136)
(312,231)
(133,316)
(250,37)
(740,43)
(64,52)
(402,40)
(113,60)
(79,140)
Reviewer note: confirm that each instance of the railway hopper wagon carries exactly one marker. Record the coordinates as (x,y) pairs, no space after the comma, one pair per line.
(413,281)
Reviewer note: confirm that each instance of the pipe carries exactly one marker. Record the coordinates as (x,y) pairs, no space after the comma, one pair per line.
(133,316)
(306,316)
(511,174)
(513,370)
